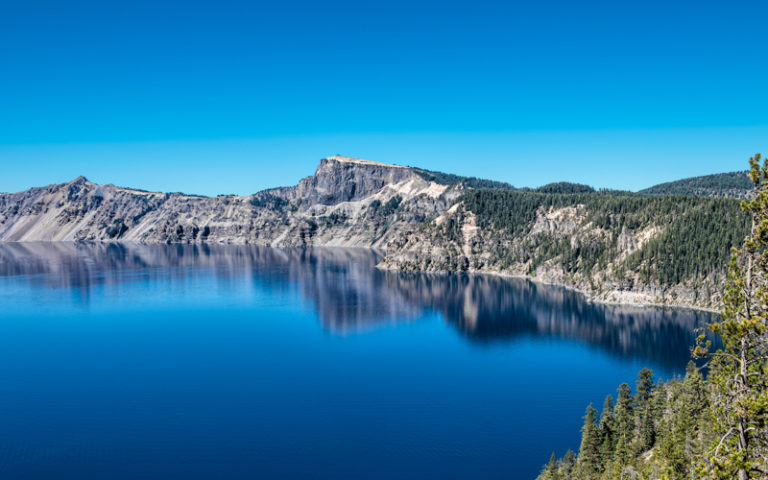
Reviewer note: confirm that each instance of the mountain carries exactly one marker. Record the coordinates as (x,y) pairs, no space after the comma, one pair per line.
(347,202)
(724,185)
(615,246)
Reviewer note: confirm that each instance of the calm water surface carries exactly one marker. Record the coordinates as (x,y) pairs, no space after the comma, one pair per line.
(230,362)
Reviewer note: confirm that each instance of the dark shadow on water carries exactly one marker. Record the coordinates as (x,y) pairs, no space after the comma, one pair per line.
(488,308)
(350,294)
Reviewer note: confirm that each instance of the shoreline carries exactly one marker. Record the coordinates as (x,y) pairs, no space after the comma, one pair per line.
(587,295)
(594,299)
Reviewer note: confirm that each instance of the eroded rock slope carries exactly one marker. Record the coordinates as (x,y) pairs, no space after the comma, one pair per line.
(615,246)
(348,202)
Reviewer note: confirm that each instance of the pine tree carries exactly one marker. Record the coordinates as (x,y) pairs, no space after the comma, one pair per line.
(644,387)
(712,428)
(625,425)
(567,465)
(589,460)
(739,371)
(550,471)
(606,431)
(695,396)
(647,428)
(659,411)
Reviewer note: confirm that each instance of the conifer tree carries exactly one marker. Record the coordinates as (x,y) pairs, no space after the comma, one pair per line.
(695,398)
(712,428)
(647,429)
(589,460)
(550,471)
(644,387)
(739,371)
(625,424)
(606,431)
(567,464)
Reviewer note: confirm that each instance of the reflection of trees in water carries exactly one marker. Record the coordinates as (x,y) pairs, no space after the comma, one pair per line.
(349,294)
(342,283)
(486,308)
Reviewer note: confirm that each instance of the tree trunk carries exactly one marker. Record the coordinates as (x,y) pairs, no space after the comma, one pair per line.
(742,393)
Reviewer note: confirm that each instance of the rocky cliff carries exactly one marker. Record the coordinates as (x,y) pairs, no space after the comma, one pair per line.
(614,246)
(617,248)
(348,202)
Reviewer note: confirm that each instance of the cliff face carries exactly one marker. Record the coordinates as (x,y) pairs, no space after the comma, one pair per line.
(348,202)
(341,179)
(655,253)
(607,246)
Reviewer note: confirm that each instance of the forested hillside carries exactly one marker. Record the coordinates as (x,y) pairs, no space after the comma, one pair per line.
(724,185)
(695,242)
(615,245)
(565,187)
(713,427)
(454,180)
(657,432)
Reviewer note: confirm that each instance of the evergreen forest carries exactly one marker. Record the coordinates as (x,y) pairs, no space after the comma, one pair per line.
(712,423)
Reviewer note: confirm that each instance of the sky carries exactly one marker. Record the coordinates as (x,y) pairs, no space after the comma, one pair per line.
(235,96)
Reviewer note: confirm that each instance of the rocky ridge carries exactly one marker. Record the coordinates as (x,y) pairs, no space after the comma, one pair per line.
(418,221)
(347,202)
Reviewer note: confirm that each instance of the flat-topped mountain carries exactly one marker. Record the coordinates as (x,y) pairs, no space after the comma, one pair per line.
(343,203)
(616,246)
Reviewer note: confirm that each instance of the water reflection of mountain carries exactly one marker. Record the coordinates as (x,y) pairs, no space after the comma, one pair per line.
(486,308)
(349,294)
(341,283)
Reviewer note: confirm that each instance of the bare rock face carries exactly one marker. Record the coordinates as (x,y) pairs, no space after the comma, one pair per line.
(348,202)
(548,250)
(343,179)
(560,222)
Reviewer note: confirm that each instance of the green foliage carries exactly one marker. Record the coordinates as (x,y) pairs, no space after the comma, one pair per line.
(733,185)
(714,428)
(739,370)
(697,233)
(607,431)
(450,230)
(469,182)
(392,205)
(590,457)
(565,187)
(269,201)
(623,413)
(552,470)
(388,208)
(333,219)
(619,446)
(695,244)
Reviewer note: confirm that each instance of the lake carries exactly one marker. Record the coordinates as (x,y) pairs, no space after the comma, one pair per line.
(234,362)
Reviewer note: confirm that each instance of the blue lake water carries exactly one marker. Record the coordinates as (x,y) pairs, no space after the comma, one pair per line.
(234,362)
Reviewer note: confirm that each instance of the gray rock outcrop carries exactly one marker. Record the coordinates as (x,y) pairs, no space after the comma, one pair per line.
(348,202)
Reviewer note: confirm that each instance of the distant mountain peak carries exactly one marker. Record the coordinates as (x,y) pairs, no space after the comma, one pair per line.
(80,180)
(360,161)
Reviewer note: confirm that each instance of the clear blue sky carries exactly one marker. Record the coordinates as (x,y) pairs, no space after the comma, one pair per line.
(235,96)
